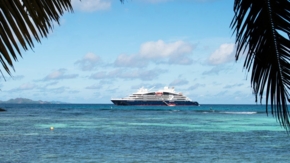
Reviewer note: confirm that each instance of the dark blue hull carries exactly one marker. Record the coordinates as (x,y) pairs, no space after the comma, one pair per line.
(159,103)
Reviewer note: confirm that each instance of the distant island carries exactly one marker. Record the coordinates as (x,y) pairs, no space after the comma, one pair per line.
(29,101)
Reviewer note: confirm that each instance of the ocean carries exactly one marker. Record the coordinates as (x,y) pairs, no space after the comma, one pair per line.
(89,133)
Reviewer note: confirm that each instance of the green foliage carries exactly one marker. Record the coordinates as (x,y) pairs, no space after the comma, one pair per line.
(262,28)
(25,20)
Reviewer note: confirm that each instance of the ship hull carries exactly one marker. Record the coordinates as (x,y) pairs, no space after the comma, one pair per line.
(155,103)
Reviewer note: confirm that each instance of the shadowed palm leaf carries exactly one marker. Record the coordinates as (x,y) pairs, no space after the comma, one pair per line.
(262,28)
(22,21)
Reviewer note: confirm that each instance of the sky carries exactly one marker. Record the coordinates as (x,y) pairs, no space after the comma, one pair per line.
(106,49)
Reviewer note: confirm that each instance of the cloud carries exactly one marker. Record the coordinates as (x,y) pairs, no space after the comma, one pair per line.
(160,49)
(222,93)
(104,82)
(73,91)
(51,84)
(101,84)
(224,54)
(58,90)
(215,70)
(148,86)
(124,60)
(13,78)
(233,85)
(141,74)
(99,75)
(91,5)
(24,87)
(158,52)
(129,74)
(177,82)
(27,86)
(182,60)
(18,77)
(195,86)
(54,90)
(89,62)
(59,75)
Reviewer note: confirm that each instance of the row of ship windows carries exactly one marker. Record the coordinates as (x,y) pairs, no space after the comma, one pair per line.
(158,98)
(155,96)
(164,93)
(163,98)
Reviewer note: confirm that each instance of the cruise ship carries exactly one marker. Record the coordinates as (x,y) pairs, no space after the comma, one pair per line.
(166,97)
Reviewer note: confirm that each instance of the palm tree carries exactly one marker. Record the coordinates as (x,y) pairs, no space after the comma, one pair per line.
(262,29)
(25,20)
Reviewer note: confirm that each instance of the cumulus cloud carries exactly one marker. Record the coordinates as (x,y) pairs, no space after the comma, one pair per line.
(89,62)
(91,5)
(224,54)
(60,75)
(160,49)
(129,74)
(158,52)
(177,82)
(124,60)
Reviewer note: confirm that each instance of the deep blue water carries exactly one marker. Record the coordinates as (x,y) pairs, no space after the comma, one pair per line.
(108,133)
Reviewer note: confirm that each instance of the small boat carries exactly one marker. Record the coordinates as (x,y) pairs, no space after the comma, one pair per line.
(171,105)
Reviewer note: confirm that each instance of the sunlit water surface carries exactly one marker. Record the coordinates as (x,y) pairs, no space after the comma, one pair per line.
(108,133)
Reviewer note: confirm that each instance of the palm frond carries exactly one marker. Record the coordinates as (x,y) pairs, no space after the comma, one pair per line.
(22,21)
(262,28)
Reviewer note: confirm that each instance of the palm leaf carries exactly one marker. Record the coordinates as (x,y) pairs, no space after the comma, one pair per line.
(22,21)
(262,28)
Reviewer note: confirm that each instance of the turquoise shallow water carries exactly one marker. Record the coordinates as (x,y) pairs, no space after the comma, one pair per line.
(108,133)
